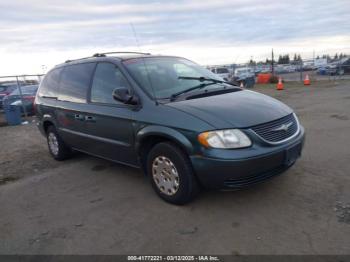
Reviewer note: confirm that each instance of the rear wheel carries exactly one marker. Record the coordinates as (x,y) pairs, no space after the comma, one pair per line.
(171,174)
(58,149)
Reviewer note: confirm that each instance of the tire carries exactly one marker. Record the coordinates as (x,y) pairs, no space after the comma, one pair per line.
(179,185)
(61,151)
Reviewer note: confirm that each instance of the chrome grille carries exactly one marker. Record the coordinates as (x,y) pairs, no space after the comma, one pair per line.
(278,130)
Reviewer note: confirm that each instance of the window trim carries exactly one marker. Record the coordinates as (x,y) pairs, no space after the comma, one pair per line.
(119,105)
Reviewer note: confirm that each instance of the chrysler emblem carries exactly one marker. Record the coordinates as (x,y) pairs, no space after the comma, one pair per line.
(283,127)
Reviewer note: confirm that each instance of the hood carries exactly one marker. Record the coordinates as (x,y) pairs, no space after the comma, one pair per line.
(237,109)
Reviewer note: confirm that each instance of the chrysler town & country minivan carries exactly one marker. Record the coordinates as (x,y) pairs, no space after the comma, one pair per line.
(183,125)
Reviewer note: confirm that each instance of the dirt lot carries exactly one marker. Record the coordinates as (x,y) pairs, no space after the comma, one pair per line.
(91,206)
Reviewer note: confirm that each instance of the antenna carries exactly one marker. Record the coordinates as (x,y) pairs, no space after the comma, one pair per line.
(144,63)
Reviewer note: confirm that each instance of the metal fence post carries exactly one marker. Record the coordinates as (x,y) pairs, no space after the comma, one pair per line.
(21,95)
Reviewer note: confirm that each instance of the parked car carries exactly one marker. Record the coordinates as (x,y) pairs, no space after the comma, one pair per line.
(223,72)
(244,75)
(6,89)
(243,72)
(28,96)
(331,69)
(184,132)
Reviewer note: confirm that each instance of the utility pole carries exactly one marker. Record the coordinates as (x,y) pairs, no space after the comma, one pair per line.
(272,67)
(301,70)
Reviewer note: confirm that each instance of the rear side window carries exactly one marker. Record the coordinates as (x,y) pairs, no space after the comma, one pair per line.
(75,81)
(107,78)
(49,85)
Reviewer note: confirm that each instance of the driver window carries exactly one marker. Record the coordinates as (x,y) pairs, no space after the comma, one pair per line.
(107,78)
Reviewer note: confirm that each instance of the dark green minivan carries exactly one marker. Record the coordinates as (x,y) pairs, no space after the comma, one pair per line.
(183,125)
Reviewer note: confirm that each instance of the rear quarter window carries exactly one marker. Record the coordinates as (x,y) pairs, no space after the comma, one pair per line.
(75,81)
(49,85)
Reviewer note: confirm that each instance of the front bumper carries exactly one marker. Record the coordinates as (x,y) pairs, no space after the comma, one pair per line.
(246,167)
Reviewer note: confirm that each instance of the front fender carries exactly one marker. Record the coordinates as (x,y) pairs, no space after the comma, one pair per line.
(166,132)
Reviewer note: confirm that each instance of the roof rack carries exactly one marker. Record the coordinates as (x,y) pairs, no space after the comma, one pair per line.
(104,54)
(108,53)
(71,60)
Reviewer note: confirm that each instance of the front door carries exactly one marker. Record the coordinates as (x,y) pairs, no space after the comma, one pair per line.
(108,122)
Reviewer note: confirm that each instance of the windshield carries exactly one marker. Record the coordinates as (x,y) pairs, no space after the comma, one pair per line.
(222,71)
(160,75)
(242,71)
(26,90)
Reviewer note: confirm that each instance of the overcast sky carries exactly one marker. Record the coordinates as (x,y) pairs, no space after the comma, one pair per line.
(42,32)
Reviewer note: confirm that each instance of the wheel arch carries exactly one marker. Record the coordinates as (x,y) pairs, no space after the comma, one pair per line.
(149,136)
(46,124)
(47,120)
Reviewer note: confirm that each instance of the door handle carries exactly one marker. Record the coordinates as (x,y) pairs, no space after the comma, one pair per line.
(90,119)
(79,117)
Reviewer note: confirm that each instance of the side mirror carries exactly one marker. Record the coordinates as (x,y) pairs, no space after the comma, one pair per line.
(122,94)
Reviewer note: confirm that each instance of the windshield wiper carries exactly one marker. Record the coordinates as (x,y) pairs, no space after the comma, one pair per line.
(200,86)
(202,79)
(211,81)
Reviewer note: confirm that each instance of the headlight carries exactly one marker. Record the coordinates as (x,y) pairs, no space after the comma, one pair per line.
(229,138)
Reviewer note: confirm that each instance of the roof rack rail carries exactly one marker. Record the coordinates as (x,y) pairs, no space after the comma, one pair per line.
(104,54)
(71,60)
(108,53)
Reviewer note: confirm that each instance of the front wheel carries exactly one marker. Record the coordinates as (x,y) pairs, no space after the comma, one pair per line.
(171,174)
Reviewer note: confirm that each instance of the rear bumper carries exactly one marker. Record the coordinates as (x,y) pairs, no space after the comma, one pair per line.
(239,172)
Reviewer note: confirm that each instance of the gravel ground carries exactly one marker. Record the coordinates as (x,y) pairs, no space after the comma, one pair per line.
(91,206)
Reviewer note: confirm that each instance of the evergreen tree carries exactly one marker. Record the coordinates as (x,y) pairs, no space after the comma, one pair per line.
(252,62)
(280,60)
(287,59)
(295,58)
(299,58)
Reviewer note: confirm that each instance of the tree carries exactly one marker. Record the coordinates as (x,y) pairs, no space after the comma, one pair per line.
(252,62)
(283,59)
(336,56)
(287,59)
(299,58)
(280,60)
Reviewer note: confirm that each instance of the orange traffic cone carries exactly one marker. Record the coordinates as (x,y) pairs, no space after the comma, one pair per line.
(307,80)
(280,84)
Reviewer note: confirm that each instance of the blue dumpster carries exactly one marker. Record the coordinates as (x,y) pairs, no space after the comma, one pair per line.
(249,82)
(13,114)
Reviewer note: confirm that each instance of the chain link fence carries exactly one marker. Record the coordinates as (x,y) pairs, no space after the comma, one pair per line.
(17,94)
